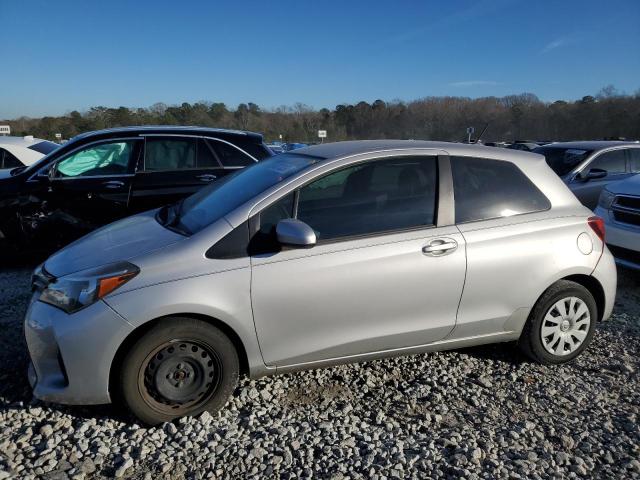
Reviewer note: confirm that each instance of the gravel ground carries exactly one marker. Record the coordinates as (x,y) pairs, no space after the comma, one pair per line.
(478,413)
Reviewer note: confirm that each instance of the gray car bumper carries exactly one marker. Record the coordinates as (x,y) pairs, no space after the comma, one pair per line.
(624,238)
(71,355)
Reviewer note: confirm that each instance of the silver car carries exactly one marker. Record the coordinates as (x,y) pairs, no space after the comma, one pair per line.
(331,254)
(619,206)
(588,167)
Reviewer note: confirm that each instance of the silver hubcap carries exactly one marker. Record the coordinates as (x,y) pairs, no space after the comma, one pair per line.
(565,326)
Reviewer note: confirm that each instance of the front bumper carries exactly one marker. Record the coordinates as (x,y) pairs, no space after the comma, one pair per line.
(71,355)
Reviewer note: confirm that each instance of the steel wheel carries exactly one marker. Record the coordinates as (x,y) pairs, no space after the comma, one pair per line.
(565,326)
(179,376)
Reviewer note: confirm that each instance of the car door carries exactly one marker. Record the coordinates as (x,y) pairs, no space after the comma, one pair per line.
(90,186)
(588,190)
(172,168)
(384,274)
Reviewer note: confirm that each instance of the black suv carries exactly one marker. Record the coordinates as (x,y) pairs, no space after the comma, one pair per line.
(101,176)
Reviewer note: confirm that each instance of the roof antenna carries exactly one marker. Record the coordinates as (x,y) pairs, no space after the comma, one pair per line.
(482,132)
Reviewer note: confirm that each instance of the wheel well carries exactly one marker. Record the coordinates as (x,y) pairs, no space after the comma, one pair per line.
(143,329)
(594,287)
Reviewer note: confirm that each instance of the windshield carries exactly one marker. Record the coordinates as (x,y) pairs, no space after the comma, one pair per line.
(563,160)
(223,196)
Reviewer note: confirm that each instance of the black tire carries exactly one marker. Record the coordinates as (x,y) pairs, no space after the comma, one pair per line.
(198,360)
(531,342)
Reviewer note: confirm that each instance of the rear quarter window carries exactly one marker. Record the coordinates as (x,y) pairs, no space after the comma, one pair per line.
(44,147)
(486,189)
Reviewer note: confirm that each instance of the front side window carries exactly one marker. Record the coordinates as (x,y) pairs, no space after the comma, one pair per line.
(98,160)
(373,197)
(230,156)
(169,154)
(486,189)
(612,162)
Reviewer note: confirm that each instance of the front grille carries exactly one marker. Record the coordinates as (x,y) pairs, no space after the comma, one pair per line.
(629,202)
(626,217)
(626,209)
(625,254)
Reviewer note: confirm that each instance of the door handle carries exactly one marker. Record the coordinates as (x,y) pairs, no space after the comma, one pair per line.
(439,247)
(207,177)
(113,184)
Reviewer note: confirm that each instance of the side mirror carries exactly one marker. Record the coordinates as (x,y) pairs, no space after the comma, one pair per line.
(295,233)
(45,174)
(594,174)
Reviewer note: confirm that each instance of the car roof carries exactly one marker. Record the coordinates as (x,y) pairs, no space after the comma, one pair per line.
(21,141)
(355,147)
(168,130)
(590,144)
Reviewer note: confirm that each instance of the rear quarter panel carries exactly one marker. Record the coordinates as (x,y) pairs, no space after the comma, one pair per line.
(511,262)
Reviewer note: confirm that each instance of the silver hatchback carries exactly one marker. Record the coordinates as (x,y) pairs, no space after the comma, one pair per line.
(330,254)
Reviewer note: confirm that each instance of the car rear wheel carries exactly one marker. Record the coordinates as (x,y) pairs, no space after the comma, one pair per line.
(180,367)
(561,324)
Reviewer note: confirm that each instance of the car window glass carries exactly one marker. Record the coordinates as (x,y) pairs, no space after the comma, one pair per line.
(230,156)
(485,189)
(205,155)
(563,160)
(612,162)
(10,161)
(270,216)
(219,198)
(169,154)
(634,159)
(265,239)
(44,147)
(103,159)
(373,197)
(256,150)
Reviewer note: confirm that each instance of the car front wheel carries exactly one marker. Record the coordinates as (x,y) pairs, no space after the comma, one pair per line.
(561,324)
(180,367)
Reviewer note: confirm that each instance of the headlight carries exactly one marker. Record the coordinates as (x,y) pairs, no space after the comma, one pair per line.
(606,199)
(81,289)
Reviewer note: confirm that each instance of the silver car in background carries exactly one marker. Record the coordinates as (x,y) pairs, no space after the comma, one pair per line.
(619,206)
(589,166)
(331,254)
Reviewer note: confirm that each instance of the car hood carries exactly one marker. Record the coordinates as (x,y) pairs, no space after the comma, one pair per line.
(630,186)
(122,240)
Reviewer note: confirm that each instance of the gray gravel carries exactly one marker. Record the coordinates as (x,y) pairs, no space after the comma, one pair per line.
(478,413)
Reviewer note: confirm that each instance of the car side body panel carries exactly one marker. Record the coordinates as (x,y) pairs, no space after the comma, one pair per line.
(522,256)
(356,296)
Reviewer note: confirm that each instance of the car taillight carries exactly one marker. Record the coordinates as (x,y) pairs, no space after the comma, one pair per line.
(597,225)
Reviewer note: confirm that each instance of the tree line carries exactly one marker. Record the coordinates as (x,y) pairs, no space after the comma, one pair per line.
(606,115)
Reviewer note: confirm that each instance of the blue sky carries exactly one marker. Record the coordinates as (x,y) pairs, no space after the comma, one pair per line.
(65,55)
